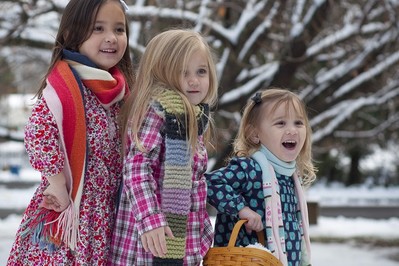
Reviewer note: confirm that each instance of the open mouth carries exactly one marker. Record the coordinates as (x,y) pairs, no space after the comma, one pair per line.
(111,51)
(289,144)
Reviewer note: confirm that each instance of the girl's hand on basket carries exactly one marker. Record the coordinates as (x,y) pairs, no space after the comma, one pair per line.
(254,220)
(155,241)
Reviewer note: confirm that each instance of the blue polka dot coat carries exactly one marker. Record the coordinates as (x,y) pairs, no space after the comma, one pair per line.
(239,184)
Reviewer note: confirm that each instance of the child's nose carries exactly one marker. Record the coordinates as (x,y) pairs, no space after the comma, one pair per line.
(110,37)
(192,81)
(291,130)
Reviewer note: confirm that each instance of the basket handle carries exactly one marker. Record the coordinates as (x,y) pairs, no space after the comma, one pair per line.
(236,229)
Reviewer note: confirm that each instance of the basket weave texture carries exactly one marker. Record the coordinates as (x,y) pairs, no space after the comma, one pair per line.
(240,256)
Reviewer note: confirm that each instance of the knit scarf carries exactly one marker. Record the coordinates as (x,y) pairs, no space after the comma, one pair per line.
(65,99)
(177,182)
(273,214)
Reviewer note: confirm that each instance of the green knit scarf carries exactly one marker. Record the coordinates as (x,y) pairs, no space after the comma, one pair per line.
(177,183)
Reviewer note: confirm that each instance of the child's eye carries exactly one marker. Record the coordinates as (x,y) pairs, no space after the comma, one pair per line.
(202,71)
(121,30)
(280,123)
(98,28)
(299,123)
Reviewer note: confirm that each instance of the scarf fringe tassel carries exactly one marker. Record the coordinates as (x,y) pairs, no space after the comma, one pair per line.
(50,228)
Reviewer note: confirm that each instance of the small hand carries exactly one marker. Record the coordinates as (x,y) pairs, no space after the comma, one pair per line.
(56,196)
(155,241)
(254,220)
(52,203)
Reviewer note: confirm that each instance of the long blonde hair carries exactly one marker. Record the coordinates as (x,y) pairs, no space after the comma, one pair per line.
(252,115)
(161,65)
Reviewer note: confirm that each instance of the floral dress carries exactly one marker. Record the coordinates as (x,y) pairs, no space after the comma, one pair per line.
(102,180)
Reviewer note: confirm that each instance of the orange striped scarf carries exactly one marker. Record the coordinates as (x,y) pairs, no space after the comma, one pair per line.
(64,98)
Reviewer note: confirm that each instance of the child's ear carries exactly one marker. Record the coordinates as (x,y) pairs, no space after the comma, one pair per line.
(253,135)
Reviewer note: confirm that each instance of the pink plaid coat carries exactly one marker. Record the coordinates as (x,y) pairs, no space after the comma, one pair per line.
(139,209)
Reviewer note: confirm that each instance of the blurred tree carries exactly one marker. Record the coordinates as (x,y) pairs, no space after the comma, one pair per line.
(341,56)
(6,78)
(329,167)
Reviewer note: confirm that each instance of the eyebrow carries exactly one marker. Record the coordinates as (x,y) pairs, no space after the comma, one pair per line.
(281,117)
(122,23)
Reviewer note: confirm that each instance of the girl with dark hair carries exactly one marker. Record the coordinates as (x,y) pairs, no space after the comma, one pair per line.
(72,138)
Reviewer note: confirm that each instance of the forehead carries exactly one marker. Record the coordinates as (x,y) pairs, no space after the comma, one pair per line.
(287,107)
(197,57)
(111,9)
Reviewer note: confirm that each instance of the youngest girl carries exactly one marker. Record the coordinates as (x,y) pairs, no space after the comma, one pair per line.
(263,183)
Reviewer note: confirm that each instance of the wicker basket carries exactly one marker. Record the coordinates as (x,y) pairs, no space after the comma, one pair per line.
(232,255)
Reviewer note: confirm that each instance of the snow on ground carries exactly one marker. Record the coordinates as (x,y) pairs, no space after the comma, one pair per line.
(350,228)
(324,254)
(339,233)
(336,194)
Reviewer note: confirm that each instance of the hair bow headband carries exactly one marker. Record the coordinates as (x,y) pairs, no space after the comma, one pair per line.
(257,98)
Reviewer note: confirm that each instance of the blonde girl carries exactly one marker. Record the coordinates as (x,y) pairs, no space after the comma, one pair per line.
(162,218)
(263,183)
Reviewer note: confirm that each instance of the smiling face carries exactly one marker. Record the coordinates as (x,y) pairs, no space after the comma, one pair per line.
(107,43)
(282,130)
(194,81)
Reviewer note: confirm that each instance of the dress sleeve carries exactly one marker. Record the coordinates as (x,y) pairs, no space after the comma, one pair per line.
(230,186)
(142,174)
(42,141)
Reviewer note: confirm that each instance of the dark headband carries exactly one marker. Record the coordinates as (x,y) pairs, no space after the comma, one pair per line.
(257,98)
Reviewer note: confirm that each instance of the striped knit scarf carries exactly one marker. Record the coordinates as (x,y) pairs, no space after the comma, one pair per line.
(274,222)
(177,183)
(64,97)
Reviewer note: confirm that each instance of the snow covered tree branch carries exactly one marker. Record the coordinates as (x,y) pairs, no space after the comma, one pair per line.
(340,56)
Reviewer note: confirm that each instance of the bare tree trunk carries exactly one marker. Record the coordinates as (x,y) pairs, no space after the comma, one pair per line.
(355,176)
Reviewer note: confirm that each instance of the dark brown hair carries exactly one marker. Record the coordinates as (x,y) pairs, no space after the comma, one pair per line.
(76,27)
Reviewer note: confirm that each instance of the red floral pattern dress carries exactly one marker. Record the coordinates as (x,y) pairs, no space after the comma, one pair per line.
(102,180)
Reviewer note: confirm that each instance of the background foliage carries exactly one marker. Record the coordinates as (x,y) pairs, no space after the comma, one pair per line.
(341,57)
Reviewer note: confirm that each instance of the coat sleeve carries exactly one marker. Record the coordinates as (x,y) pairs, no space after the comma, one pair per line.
(142,175)
(231,187)
(42,141)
